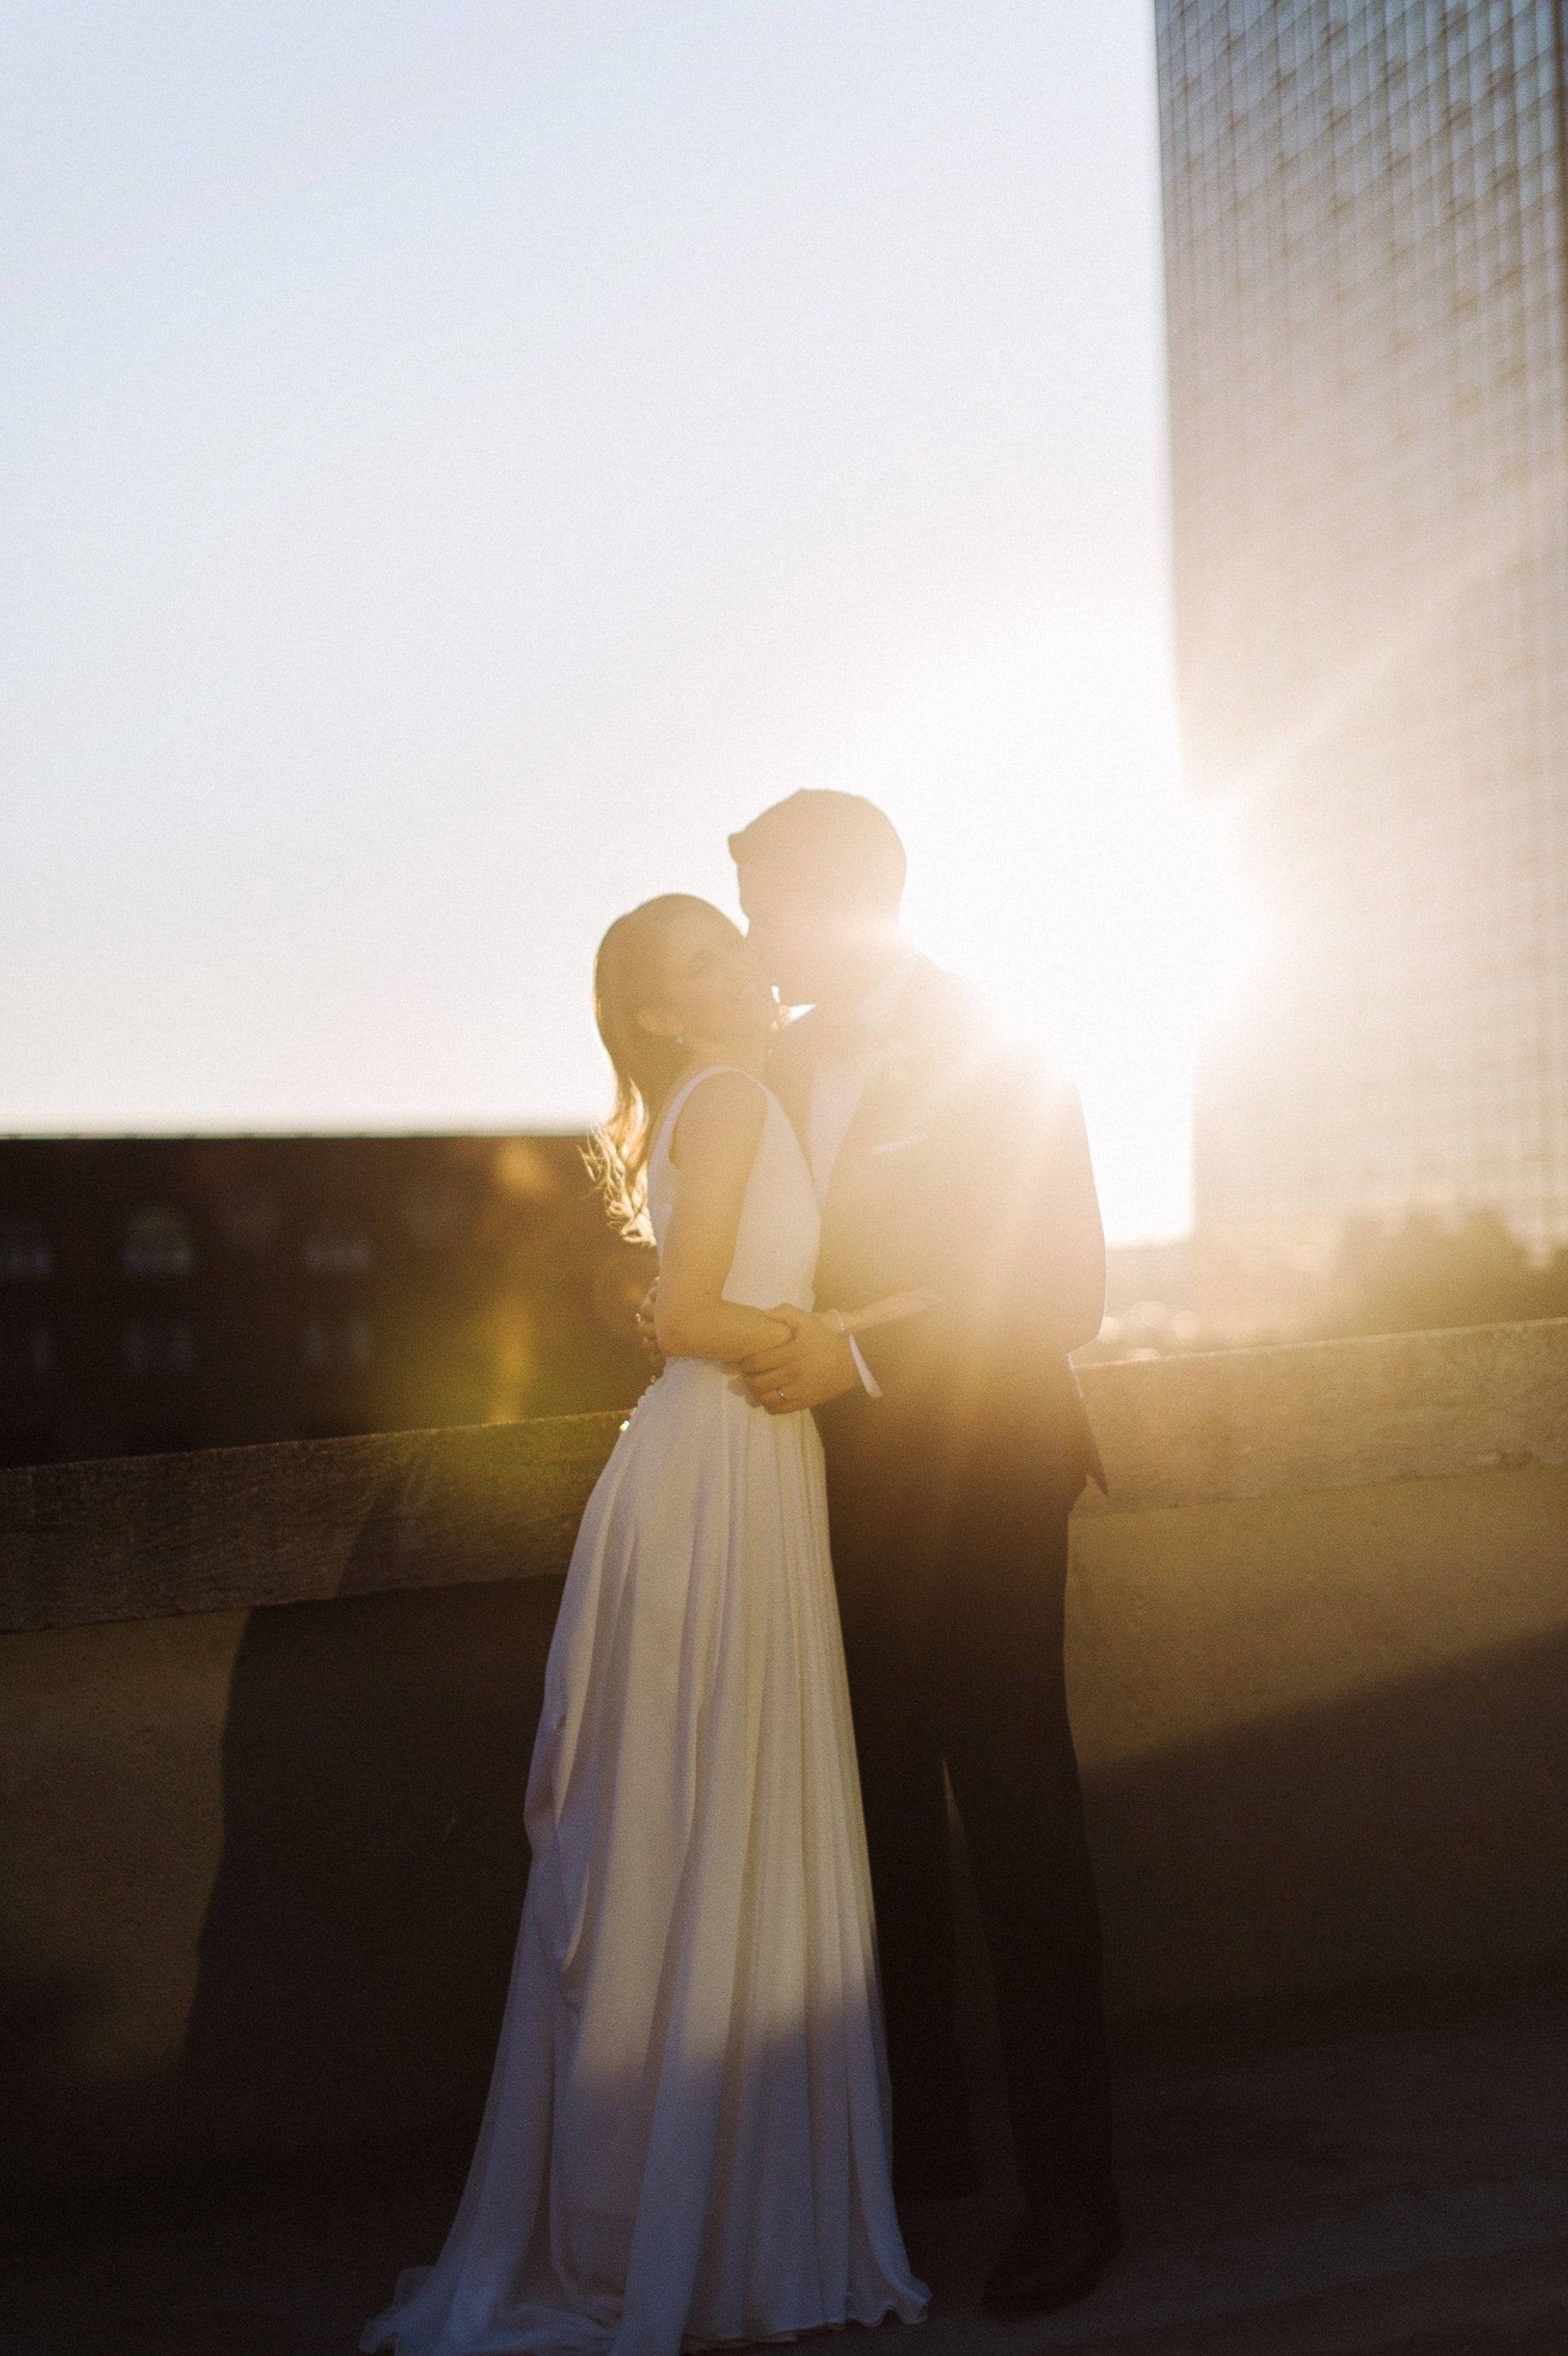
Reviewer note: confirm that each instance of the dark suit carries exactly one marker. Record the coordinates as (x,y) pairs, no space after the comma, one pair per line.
(963,1173)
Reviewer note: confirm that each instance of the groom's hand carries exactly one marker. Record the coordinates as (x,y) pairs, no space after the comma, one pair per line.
(816,1364)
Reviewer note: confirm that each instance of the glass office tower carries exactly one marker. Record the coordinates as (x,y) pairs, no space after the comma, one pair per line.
(1364,226)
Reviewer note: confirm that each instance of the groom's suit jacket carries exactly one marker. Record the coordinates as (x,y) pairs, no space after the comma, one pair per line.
(964,1173)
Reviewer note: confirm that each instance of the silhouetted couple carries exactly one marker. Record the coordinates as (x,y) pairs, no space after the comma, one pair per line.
(879,1213)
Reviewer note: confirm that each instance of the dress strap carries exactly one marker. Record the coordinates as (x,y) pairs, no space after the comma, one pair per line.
(671,1112)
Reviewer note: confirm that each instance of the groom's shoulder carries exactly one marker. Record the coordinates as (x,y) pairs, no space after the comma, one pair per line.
(950,1019)
(947,1001)
(962,1031)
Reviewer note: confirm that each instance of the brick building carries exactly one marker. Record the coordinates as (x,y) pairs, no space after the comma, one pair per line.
(161,1293)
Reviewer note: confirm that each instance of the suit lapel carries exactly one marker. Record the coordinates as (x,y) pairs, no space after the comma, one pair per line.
(894,1086)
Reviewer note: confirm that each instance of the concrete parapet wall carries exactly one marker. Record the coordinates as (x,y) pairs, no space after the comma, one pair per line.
(1325,1738)
(302,1521)
(1309,1416)
(265,1717)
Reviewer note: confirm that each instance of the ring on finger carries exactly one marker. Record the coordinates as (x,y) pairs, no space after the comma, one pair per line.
(781,1393)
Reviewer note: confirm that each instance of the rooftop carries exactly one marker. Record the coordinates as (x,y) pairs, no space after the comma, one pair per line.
(1319,1638)
(1395,2188)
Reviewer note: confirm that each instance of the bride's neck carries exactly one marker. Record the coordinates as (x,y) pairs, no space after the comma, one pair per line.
(745,1056)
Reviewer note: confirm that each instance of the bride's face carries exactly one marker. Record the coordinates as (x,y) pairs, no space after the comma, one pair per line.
(714,986)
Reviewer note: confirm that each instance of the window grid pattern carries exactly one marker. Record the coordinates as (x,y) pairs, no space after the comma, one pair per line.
(1369,397)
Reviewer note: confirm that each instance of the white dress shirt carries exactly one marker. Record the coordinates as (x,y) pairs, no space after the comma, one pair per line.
(837,1086)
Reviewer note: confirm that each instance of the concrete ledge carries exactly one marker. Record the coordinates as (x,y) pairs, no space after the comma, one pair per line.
(1312,1416)
(148,1537)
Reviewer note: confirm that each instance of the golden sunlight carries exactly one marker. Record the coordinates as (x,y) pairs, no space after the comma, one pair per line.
(1055,858)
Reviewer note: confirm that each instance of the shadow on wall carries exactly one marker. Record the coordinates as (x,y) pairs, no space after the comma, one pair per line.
(358,1945)
(360,1926)
(1413,1830)
(355,1952)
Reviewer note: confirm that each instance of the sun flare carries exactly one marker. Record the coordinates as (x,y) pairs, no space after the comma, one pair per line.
(1056,860)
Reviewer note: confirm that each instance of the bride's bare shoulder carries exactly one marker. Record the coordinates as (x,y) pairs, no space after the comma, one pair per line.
(720,1119)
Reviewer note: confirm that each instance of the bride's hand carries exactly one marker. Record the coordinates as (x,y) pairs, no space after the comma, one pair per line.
(647,1332)
(816,1362)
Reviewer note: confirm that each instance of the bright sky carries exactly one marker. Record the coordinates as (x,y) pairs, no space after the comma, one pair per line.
(457,463)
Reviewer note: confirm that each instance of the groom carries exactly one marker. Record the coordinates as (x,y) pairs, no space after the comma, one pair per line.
(956,1442)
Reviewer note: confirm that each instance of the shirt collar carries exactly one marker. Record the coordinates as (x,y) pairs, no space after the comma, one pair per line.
(879,1006)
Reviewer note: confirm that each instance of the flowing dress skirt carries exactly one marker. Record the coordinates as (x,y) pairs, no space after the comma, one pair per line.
(687,2133)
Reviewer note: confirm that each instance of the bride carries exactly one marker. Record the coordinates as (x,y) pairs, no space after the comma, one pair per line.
(686,2139)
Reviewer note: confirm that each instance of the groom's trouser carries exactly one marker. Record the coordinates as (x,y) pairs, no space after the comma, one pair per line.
(953,1612)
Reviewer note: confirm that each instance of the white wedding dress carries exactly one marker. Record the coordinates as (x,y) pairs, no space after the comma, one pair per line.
(687,2136)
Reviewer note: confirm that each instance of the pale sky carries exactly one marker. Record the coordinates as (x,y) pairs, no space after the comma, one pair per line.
(459,462)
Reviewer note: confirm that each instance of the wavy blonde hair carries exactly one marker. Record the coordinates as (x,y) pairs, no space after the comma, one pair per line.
(629,975)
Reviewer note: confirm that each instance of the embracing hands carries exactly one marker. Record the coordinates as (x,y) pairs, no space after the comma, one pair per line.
(816,1362)
(647,1331)
(812,1364)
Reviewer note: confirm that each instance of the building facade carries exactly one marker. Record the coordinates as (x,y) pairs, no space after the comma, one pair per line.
(163,1293)
(1365,238)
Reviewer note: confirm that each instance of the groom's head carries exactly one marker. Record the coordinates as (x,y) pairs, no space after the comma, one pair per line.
(821,878)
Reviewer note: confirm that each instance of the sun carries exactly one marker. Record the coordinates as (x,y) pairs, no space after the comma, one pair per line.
(1056,860)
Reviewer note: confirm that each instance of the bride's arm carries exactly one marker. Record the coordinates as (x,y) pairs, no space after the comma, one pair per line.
(714,1145)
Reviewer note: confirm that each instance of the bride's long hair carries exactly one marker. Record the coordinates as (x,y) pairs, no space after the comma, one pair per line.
(629,975)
